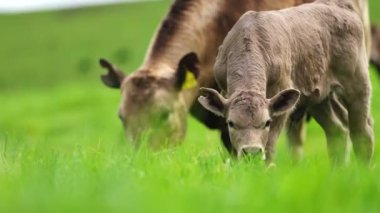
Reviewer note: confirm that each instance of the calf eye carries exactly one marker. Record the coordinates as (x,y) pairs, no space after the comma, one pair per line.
(231,124)
(267,124)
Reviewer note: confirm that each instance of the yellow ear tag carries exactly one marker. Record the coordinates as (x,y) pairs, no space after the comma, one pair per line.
(190,81)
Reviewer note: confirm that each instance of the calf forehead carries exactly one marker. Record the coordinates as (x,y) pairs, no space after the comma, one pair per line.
(140,91)
(144,79)
(249,108)
(249,99)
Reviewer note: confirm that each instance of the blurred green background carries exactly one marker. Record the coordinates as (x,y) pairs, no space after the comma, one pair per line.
(62,148)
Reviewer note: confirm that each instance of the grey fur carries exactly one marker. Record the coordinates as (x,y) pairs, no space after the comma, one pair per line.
(319,49)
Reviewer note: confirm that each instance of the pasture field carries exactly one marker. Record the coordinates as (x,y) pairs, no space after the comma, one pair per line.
(62,148)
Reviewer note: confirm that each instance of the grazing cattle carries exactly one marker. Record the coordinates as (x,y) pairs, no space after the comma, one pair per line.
(320,50)
(154,98)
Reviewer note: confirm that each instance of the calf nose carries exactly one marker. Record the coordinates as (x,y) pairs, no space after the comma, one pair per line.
(254,151)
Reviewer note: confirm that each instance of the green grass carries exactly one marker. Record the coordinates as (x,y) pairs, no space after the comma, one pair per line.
(62,148)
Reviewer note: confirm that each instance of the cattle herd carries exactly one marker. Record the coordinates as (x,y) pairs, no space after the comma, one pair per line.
(260,66)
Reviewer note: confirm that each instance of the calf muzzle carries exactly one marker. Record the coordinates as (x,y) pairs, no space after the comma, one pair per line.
(254,151)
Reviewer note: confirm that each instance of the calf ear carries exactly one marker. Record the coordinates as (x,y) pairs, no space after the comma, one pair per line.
(212,101)
(283,102)
(114,77)
(187,65)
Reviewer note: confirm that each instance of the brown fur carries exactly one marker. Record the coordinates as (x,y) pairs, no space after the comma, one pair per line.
(169,26)
(318,48)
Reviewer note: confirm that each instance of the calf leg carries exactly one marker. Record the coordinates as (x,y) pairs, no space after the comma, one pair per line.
(357,99)
(275,130)
(327,115)
(361,131)
(296,133)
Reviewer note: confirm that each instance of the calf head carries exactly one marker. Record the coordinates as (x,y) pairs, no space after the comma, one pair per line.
(152,105)
(248,116)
